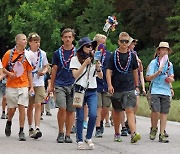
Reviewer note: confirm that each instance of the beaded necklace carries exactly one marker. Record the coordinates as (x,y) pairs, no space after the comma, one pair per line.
(117,61)
(62,59)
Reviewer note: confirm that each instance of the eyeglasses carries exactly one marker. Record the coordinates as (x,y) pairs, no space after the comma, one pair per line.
(124,41)
(88,45)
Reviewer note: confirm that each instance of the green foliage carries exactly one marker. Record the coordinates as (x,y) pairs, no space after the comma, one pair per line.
(143,109)
(176,87)
(174,36)
(38,17)
(94,17)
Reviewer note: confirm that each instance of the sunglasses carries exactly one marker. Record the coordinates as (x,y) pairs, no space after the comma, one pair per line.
(88,45)
(124,41)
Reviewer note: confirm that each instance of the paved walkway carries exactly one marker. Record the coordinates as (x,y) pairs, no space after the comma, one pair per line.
(47,144)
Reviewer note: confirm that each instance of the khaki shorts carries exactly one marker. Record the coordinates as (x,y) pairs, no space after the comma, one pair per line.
(39,96)
(17,96)
(103,100)
(64,98)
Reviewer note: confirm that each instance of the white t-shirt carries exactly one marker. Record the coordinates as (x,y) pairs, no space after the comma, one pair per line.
(1,64)
(33,57)
(75,64)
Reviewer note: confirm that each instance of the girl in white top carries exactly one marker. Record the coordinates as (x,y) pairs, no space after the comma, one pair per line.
(81,64)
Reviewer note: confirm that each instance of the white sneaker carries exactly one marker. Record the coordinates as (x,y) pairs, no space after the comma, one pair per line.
(90,143)
(80,146)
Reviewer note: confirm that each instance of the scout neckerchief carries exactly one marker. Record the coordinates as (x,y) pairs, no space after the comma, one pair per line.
(62,58)
(168,68)
(101,48)
(118,64)
(10,62)
(38,61)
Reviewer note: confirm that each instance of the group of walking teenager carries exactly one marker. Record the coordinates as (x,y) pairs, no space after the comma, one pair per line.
(114,79)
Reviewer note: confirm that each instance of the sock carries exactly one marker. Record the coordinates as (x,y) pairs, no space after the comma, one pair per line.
(30,126)
(37,127)
(21,129)
(101,124)
(3,112)
(9,123)
(97,128)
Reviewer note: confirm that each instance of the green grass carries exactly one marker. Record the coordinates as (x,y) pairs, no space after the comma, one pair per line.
(143,109)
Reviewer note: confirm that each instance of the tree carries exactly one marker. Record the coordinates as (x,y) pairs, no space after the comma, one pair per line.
(145,19)
(94,17)
(43,17)
(174,37)
(7,10)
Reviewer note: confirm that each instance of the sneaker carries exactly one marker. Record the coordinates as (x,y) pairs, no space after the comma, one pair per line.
(112,123)
(90,144)
(135,137)
(37,134)
(127,127)
(80,146)
(73,130)
(153,132)
(68,139)
(117,138)
(101,127)
(166,134)
(22,136)
(3,116)
(8,130)
(85,125)
(60,138)
(98,133)
(107,124)
(162,138)
(124,131)
(48,114)
(31,132)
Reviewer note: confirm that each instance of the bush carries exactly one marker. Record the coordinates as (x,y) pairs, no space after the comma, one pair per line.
(176,87)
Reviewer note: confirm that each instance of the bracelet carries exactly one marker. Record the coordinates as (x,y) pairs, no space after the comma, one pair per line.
(136,86)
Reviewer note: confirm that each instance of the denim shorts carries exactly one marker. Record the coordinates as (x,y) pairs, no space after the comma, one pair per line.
(64,97)
(123,100)
(160,103)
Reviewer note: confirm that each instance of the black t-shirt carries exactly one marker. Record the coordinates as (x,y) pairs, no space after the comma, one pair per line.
(122,81)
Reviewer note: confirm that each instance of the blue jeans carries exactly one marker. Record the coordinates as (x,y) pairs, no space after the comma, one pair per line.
(91,100)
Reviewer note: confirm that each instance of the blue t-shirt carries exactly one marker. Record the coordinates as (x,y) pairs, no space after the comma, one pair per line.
(159,85)
(64,76)
(102,83)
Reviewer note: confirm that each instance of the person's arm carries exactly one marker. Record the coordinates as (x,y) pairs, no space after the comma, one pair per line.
(53,77)
(142,82)
(108,78)
(135,75)
(44,70)
(78,72)
(29,74)
(172,90)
